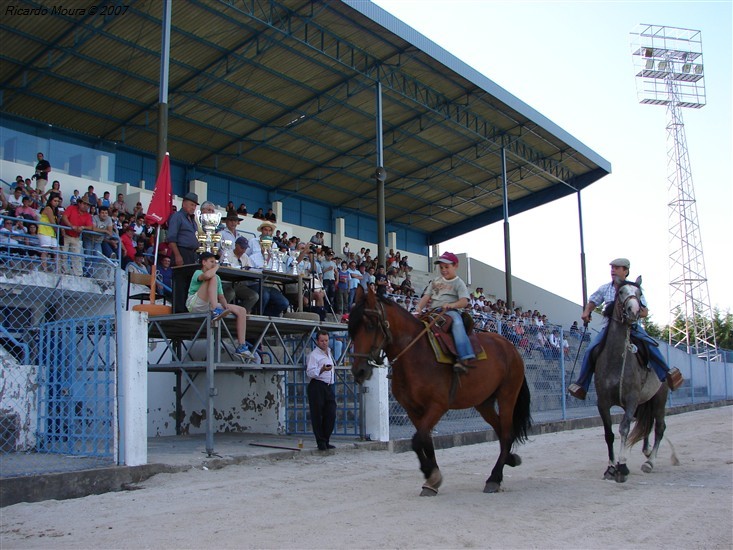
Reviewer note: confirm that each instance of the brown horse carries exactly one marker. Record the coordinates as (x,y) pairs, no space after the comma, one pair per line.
(383,332)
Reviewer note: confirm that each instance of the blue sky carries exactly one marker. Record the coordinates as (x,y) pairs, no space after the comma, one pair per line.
(571,61)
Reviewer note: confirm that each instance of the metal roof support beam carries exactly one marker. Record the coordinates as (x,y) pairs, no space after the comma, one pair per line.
(316,37)
(507,239)
(380,176)
(165,54)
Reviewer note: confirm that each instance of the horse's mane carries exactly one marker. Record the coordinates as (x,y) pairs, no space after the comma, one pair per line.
(608,308)
(356,315)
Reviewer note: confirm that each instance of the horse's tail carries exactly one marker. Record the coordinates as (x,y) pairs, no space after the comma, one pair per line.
(644,423)
(521,418)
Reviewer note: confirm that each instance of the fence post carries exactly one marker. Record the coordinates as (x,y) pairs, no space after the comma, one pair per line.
(132,387)
(375,406)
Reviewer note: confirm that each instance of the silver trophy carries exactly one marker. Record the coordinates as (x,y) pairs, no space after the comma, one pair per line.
(282,261)
(207,225)
(227,249)
(267,252)
(294,262)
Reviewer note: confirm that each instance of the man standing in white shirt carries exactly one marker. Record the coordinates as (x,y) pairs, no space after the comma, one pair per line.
(321,394)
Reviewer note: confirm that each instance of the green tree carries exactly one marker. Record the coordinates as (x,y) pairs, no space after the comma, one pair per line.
(654,330)
(723,326)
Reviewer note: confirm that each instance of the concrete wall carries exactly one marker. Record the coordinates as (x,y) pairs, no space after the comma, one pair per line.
(18,404)
(245,401)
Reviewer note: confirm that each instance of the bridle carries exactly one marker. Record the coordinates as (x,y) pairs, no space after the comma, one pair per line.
(623,318)
(377,357)
(628,345)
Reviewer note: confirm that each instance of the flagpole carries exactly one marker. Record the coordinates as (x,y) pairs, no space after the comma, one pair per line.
(158,213)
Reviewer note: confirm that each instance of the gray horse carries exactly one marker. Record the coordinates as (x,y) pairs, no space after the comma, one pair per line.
(624,381)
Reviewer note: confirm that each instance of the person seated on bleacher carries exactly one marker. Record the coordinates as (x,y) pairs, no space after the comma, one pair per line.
(523,341)
(138,265)
(9,239)
(555,342)
(25,210)
(119,204)
(380,281)
(15,200)
(164,274)
(205,295)
(128,245)
(406,287)
(241,292)
(274,303)
(138,209)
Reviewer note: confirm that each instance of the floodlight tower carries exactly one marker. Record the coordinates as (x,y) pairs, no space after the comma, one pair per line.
(669,71)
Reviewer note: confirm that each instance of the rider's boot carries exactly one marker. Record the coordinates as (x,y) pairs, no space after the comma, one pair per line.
(577,391)
(674,378)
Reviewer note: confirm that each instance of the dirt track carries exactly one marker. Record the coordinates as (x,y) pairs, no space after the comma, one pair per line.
(363,499)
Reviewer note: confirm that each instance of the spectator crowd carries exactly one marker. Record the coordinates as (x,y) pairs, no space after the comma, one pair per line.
(93,227)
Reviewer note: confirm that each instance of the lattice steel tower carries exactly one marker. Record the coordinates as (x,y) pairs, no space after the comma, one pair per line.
(669,71)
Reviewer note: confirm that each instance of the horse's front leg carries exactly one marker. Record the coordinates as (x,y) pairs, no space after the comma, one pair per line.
(605,412)
(622,470)
(422,444)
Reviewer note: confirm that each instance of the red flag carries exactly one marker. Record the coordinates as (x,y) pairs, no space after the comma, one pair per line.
(161,205)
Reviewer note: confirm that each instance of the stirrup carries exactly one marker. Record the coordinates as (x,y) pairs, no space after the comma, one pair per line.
(460,368)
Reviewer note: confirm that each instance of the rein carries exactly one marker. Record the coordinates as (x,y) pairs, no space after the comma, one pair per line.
(383,325)
(628,346)
(414,340)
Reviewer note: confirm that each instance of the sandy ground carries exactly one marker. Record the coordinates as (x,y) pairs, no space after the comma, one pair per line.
(369,499)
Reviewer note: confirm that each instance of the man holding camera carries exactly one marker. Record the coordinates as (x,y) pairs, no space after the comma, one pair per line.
(41,176)
(321,393)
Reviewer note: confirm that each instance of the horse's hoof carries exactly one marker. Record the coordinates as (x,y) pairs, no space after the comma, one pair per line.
(514,460)
(428,492)
(610,473)
(492,487)
(622,473)
(434,481)
(647,467)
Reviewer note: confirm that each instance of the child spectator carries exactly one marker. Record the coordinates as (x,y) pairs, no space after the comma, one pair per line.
(342,289)
(206,295)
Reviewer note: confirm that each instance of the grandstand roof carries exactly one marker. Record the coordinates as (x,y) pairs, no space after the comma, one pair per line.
(283,93)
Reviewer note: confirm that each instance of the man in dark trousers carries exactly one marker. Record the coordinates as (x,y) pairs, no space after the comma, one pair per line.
(321,394)
(182,231)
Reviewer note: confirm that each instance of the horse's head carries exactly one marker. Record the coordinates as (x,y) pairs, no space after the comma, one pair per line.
(370,334)
(628,301)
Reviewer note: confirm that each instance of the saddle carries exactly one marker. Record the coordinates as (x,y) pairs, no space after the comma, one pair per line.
(441,338)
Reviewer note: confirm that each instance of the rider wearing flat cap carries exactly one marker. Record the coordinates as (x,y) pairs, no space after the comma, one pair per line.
(606,294)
